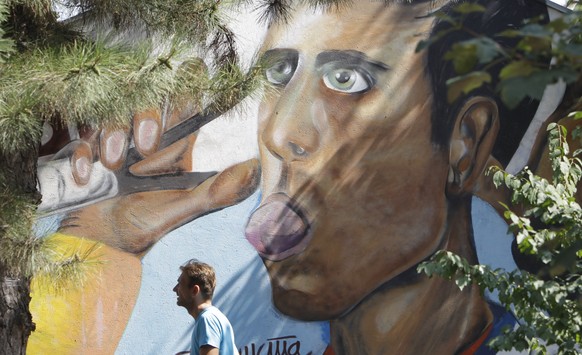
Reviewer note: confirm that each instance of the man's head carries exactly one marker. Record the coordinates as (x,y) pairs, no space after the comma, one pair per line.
(356,187)
(195,284)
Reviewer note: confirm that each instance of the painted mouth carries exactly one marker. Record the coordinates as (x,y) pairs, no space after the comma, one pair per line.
(278,228)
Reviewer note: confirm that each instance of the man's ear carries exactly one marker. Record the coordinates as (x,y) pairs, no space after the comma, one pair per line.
(195,289)
(472,140)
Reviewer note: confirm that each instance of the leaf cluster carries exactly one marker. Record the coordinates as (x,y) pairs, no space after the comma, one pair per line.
(549,303)
(551,224)
(524,72)
(60,269)
(17,244)
(549,314)
(279,11)
(196,21)
(68,73)
(24,254)
(6,44)
(102,82)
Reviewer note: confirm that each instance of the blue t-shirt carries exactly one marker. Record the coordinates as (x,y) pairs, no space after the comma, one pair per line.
(213,328)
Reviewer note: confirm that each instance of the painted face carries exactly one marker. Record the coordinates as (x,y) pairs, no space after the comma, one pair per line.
(184,292)
(353,189)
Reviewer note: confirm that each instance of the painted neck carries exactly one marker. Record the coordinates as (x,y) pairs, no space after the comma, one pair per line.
(425,316)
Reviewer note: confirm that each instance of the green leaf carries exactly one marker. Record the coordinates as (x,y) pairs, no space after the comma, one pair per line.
(515,89)
(466,54)
(467,8)
(536,30)
(571,49)
(6,44)
(487,49)
(463,281)
(464,57)
(536,45)
(464,84)
(517,69)
(558,25)
(509,33)
(575,115)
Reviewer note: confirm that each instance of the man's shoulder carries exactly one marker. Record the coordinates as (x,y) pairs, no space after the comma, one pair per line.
(212,312)
(209,311)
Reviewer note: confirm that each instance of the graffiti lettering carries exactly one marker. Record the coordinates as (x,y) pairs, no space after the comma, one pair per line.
(286,345)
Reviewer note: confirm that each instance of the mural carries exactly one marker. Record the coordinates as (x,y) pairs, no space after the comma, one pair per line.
(315,210)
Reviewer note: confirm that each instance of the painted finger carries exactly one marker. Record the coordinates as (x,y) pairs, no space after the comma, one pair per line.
(177,114)
(82,163)
(113,148)
(147,131)
(174,159)
(234,184)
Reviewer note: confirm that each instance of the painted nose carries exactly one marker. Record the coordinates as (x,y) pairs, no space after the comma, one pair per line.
(291,132)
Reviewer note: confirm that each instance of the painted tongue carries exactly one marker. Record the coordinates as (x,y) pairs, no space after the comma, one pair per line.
(276,228)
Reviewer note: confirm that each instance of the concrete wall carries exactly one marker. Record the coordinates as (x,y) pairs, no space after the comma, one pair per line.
(327,192)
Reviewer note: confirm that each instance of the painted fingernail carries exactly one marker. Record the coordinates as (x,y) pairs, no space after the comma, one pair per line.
(147,138)
(114,147)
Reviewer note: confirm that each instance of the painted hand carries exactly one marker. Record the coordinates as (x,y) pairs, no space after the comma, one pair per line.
(134,221)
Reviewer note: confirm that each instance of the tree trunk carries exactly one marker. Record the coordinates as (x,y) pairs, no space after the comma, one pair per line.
(15,318)
(18,174)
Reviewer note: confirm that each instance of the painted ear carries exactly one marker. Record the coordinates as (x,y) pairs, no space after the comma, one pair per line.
(471,143)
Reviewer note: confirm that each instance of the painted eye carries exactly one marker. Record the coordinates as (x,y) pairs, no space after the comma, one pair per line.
(280,73)
(348,80)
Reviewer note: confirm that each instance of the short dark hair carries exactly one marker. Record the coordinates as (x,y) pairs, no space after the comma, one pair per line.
(500,15)
(200,274)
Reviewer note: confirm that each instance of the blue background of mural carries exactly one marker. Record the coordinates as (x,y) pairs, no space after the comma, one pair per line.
(158,326)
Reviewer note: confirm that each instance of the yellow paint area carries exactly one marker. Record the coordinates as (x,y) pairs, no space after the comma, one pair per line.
(87,318)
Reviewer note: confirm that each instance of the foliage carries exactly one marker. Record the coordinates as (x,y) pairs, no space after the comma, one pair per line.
(548,228)
(6,45)
(548,304)
(96,68)
(109,60)
(23,253)
(16,246)
(99,83)
(524,73)
(81,72)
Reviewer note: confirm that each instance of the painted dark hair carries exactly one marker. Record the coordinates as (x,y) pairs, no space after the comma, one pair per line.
(500,15)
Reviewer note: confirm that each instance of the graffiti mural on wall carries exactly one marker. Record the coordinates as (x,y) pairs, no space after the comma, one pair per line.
(364,170)
(367,170)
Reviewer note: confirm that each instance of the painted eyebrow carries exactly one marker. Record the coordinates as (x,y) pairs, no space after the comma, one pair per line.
(350,57)
(277,54)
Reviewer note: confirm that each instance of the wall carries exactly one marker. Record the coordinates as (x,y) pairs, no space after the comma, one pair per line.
(319,221)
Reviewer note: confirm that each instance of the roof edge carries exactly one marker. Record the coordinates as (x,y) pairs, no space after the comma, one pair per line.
(557,7)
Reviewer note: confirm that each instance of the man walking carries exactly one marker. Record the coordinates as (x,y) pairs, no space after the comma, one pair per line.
(213,333)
